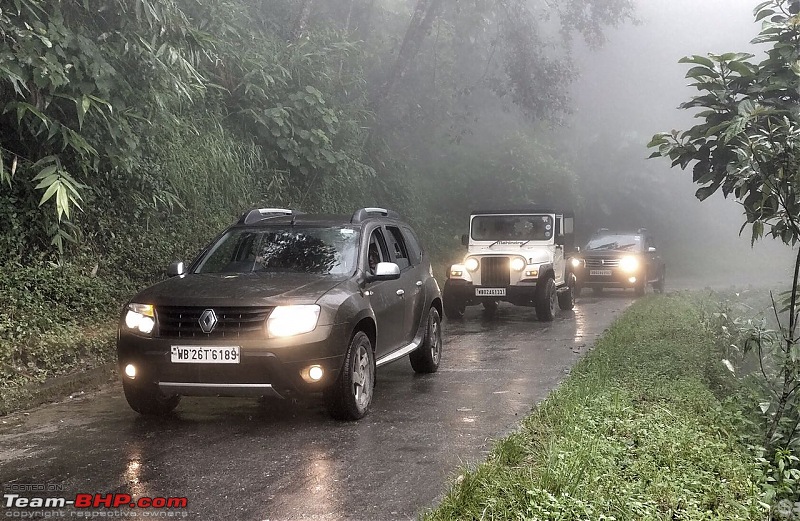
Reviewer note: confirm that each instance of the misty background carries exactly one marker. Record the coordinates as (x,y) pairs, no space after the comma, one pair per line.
(628,90)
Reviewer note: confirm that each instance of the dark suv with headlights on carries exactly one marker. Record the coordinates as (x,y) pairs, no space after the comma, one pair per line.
(283,303)
(620,260)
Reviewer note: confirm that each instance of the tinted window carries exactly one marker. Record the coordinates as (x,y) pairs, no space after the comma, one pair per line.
(414,248)
(376,250)
(398,247)
(300,250)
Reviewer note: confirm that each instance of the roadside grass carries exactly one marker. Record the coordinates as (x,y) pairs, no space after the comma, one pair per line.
(647,426)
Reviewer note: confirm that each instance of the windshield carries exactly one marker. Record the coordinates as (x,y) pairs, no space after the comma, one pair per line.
(621,242)
(327,251)
(512,227)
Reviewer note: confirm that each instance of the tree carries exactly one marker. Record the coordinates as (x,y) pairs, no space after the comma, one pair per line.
(748,146)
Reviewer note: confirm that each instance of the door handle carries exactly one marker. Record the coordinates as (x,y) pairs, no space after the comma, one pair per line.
(400,292)
(419,283)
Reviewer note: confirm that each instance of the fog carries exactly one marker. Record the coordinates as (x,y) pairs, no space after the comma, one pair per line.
(629,90)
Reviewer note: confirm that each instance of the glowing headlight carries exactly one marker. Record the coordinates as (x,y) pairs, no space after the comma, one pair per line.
(141,317)
(576,263)
(629,264)
(292,320)
(471,264)
(517,264)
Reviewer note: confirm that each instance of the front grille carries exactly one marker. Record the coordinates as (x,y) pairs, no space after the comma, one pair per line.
(184,322)
(495,271)
(602,263)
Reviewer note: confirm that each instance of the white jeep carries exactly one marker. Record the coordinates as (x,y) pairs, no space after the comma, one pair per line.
(521,257)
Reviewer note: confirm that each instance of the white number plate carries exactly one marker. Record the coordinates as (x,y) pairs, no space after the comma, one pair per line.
(490,292)
(602,273)
(205,354)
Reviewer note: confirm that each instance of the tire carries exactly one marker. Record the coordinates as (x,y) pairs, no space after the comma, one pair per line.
(546,300)
(490,306)
(658,287)
(566,299)
(641,288)
(426,358)
(351,395)
(148,399)
(453,307)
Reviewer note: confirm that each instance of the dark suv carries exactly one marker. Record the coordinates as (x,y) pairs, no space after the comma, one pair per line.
(614,259)
(285,303)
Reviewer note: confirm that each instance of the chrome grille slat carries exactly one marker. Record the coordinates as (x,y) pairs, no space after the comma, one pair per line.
(602,263)
(183,322)
(495,271)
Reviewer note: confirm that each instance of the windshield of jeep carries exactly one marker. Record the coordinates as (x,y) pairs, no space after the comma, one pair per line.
(616,242)
(326,251)
(512,228)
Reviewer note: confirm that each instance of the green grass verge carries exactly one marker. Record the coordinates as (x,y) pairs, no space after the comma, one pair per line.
(640,430)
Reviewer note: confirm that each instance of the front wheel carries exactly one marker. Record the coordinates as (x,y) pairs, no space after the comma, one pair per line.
(351,394)
(453,307)
(546,300)
(566,298)
(659,284)
(425,359)
(148,399)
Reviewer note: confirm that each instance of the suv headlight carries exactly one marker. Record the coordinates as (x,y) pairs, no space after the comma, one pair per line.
(292,320)
(471,264)
(140,317)
(576,262)
(518,264)
(629,264)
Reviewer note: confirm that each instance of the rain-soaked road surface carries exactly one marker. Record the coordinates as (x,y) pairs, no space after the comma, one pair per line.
(240,460)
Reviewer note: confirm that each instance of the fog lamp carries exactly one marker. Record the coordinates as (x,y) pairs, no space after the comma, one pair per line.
(456,273)
(532,273)
(130,371)
(631,279)
(312,373)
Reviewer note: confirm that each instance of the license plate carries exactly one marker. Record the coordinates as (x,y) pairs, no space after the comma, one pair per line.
(601,273)
(490,292)
(205,354)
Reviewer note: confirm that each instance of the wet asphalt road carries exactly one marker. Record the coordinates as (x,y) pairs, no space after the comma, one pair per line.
(240,459)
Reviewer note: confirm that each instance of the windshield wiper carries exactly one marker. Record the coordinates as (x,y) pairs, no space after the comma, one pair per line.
(626,246)
(609,246)
(524,243)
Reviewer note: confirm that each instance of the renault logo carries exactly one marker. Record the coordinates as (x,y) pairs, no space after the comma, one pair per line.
(208,319)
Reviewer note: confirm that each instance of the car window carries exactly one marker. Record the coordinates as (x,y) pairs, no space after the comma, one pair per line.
(412,242)
(376,250)
(397,247)
(328,251)
(617,242)
(512,227)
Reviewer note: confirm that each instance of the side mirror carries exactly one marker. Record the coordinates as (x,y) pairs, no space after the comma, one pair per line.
(560,240)
(651,249)
(385,271)
(465,240)
(176,269)
(577,249)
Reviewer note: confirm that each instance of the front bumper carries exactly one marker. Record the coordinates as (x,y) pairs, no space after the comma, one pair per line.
(617,279)
(267,367)
(522,294)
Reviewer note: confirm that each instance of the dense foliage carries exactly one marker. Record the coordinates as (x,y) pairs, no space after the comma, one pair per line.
(747,144)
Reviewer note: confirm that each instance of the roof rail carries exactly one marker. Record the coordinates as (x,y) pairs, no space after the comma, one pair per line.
(365,213)
(642,231)
(258,214)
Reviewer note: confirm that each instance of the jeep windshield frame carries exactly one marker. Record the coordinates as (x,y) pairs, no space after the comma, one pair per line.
(322,250)
(512,228)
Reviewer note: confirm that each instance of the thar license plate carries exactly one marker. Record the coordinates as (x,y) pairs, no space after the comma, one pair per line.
(490,292)
(602,273)
(205,354)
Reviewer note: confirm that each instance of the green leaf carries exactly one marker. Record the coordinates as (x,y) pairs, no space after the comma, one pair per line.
(701,60)
(706,191)
(700,72)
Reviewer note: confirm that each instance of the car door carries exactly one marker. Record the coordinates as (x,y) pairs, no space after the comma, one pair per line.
(386,298)
(407,253)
